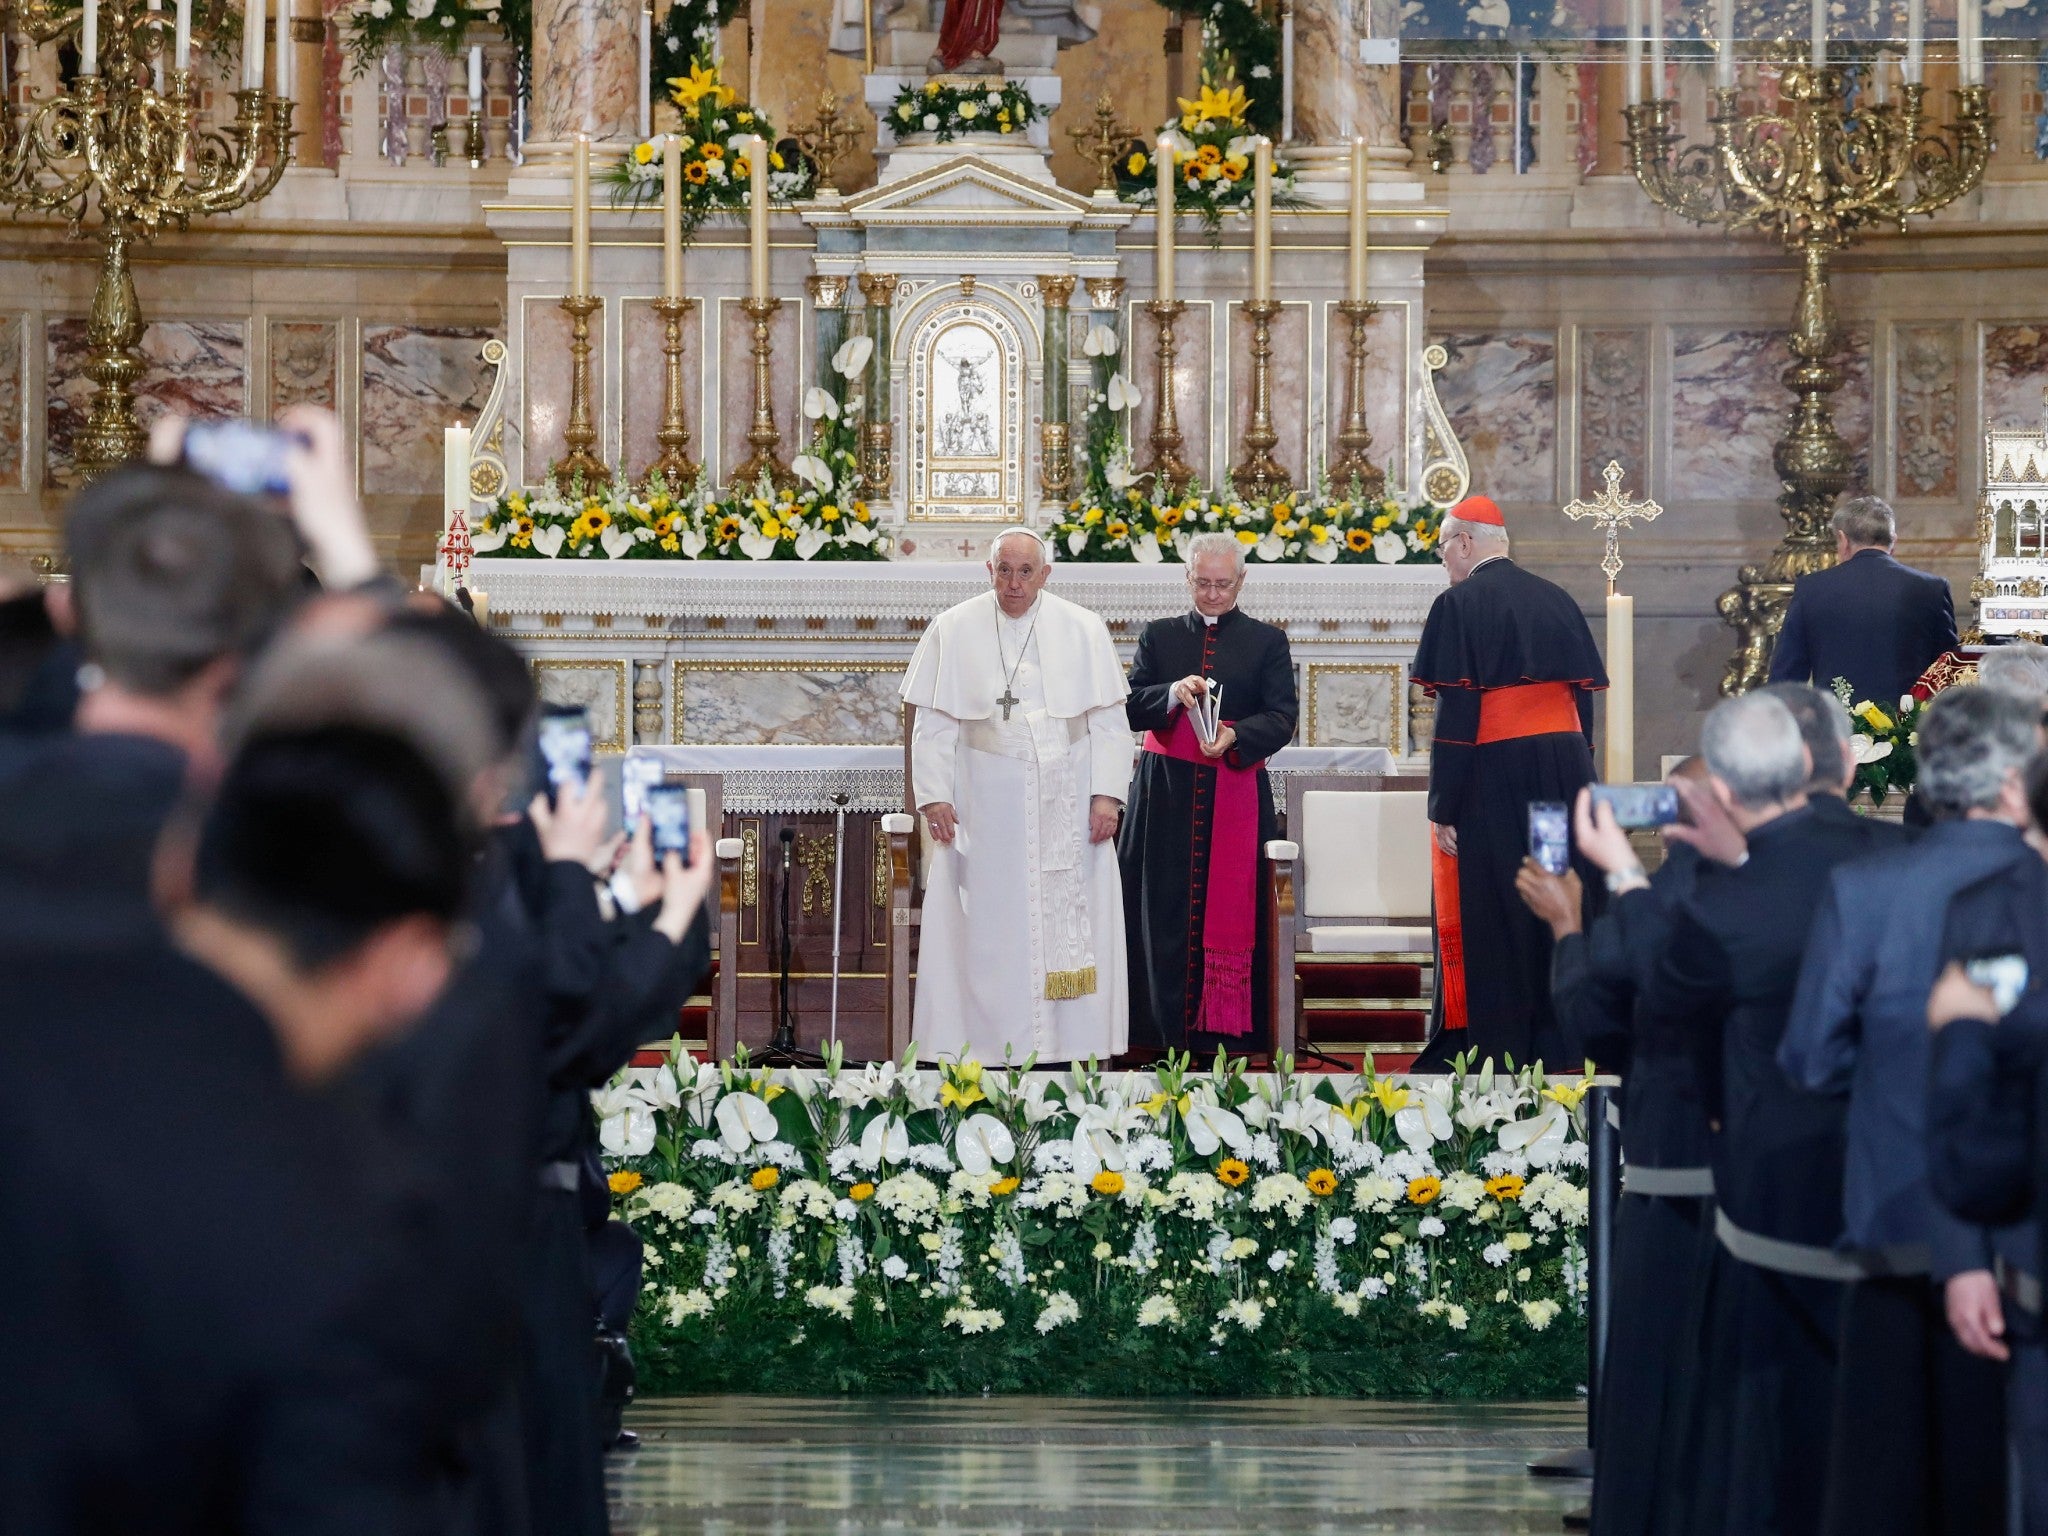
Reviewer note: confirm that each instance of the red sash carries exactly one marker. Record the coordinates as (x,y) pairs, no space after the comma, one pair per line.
(1230,915)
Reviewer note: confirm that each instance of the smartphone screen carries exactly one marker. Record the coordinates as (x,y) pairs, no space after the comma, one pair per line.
(565,747)
(240,456)
(1639,805)
(636,776)
(668,808)
(2003,976)
(1550,835)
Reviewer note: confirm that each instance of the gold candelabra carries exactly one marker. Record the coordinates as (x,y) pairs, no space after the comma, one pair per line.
(826,140)
(763,435)
(580,435)
(1102,141)
(1816,172)
(1259,476)
(1169,472)
(129,140)
(1355,436)
(674,464)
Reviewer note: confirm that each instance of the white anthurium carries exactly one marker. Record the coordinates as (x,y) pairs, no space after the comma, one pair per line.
(809,541)
(1145,550)
(1101,341)
(625,1123)
(983,1142)
(692,541)
(819,403)
(812,470)
(1869,749)
(744,1119)
(756,545)
(1123,394)
(1323,553)
(1120,476)
(886,1140)
(1540,1138)
(1389,548)
(1424,1122)
(852,356)
(1270,547)
(1243,144)
(548,541)
(484,540)
(616,540)
(858,533)
(1077,541)
(1210,1127)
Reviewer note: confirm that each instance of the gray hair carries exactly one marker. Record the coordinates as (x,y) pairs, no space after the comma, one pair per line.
(1866,522)
(1823,726)
(1970,741)
(1752,744)
(1214,544)
(2019,666)
(1018,530)
(1482,533)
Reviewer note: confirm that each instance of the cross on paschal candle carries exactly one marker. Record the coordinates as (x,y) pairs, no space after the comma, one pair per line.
(1613,511)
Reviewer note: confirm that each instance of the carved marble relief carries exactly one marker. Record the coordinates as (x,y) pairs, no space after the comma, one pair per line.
(303,369)
(1924,410)
(1614,391)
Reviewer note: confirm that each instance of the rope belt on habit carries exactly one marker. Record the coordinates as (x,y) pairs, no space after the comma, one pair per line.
(1640,1179)
(1811,1262)
(2018,1286)
(565,1177)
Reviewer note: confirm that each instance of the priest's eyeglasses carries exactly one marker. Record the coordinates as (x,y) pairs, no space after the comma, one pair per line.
(1219,587)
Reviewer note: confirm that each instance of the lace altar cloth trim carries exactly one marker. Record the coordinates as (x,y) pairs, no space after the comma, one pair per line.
(1395,596)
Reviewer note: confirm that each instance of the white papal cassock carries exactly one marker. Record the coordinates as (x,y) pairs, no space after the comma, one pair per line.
(1023,946)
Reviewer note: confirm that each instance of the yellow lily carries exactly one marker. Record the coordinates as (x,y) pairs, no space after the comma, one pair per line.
(1874,717)
(1356,1110)
(688,90)
(1221,106)
(1559,1093)
(1391,1097)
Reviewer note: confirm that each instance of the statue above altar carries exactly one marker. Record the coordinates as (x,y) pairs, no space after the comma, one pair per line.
(963,37)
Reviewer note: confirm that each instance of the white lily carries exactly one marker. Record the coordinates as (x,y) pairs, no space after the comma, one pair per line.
(1314,1121)
(819,403)
(1257,1111)
(744,1119)
(983,1142)
(812,470)
(1123,394)
(886,1140)
(1426,1120)
(852,356)
(921,1088)
(701,1094)
(1210,1126)
(1483,1111)
(874,1082)
(1120,476)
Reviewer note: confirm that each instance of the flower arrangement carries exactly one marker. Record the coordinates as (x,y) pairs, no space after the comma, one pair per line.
(821,517)
(1884,743)
(686,30)
(947,111)
(1212,151)
(374,25)
(965,1228)
(1241,31)
(715,127)
(1312,527)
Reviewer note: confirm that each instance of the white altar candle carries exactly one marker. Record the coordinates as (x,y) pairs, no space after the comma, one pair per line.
(1361,234)
(1657,49)
(646,118)
(156,52)
(454,482)
(1724,37)
(671,217)
(89,39)
(283,67)
(181,52)
(1972,17)
(1286,74)
(1820,34)
(1632,72)
(254,14)
(1167,179)
(1262,220)
(1916,39)
(1621,689)
(757,241)
(476,79)
(579,222)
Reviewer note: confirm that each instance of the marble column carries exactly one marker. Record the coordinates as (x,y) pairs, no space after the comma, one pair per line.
(1337,98)
(586,72)
(828,327)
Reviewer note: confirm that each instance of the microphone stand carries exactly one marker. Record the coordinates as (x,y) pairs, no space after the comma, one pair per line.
(783,1050)
(839,801)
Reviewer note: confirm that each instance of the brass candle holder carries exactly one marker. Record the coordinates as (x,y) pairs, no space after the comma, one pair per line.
(1354,437)
(674,463)
(473,148)
(1169,472)
(1056,460)
(878,428)
(763,435)
(580,435)
(1259,476)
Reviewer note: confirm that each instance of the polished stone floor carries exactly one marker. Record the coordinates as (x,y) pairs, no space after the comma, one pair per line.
(741,1466)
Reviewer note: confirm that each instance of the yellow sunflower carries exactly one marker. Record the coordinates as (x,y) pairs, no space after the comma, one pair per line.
(695,173)
(1233,1171)
(1423,1190)
(1322,1182)
(1358,541)
(1137,163)
(728,529)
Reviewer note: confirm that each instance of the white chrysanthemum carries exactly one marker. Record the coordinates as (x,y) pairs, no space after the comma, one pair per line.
(681,1304)
(1540,1313)
(1282,1191)
(1158,1311)
(894,1268)
(1059,1310)
(674,1201)
(831,1298)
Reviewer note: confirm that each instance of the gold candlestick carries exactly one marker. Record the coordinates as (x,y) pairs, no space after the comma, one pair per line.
(580,435)
(1354,437)
(1103,142)
(763,435)
(878,428)
(1169,472)
(1259,476)
(1055,460)
(675,464)
(826,140)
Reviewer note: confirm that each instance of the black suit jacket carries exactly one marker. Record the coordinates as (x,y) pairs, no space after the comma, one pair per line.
(1871,620)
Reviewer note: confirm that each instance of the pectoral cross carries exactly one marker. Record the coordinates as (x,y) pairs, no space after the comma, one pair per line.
(1613,511)
(1008,700)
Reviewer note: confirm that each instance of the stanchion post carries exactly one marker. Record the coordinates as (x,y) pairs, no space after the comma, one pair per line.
(1603,1146)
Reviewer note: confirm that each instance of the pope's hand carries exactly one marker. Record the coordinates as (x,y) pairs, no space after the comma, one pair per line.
(1103,811)
(1190,691)
(1226,738)
(939,818)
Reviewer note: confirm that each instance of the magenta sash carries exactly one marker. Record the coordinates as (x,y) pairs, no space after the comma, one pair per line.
(1230,914)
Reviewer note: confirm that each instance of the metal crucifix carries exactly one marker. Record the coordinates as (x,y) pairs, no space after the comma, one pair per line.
(1612,511)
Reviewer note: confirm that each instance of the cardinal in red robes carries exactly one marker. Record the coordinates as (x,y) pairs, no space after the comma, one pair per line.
(969,31)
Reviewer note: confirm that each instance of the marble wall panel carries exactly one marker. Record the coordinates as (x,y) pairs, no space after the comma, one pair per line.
(304,363)
(2015,373)
(13,398)
(641,389)
(544,394)
(731,703)
(1499,389)
(1729,405)
(1191,374)
(598,686)
(733,405)
(1386,386)
(1288,386)
(416,381)
(1925,362)
(1351,704)
(1614,407)
(196,367)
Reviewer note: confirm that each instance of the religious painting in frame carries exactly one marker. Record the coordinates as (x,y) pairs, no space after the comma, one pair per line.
(967,407)
(1354,704)
(816,703)
(598,686)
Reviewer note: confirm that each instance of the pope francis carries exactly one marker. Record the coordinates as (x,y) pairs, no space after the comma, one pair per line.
(1020,759)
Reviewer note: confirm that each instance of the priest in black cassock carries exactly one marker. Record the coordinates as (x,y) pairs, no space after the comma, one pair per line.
(1202,812)
(1513,668)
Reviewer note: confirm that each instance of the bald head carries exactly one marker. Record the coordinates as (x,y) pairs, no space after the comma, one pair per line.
(1018,567)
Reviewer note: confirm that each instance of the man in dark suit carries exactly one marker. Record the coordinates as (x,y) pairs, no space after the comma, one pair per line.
(1918,1428)
(1868,619)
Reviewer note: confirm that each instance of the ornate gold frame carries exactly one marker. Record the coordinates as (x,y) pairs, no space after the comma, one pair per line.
(1397,689)
(681,667)
(622,713)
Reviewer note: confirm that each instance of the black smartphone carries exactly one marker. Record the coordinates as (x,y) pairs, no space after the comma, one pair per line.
(565,749)
(668,809)
(1550,835)
(241,456)
(1638,805)
(2004,976)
